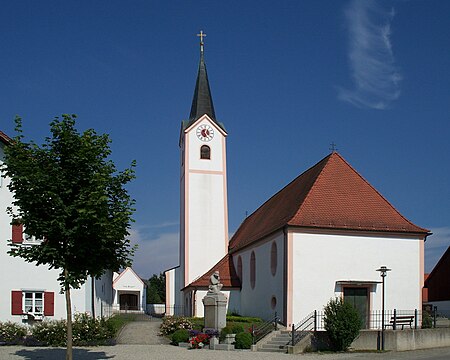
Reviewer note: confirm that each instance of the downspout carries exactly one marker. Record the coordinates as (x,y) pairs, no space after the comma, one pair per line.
(285,275)
(93,296)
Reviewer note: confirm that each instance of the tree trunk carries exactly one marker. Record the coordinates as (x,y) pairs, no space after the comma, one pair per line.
(69,355)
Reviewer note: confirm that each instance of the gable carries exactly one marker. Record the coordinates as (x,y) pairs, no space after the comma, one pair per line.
(128,279)
(329,195)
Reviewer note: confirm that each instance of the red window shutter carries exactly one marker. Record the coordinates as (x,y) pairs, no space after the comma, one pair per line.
(16,303)
(49,303)
(17,233)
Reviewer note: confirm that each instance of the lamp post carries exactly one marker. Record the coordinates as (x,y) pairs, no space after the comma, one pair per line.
(383,272)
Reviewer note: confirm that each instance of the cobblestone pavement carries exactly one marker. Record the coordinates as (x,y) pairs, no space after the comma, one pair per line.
(166,352)
(142,333)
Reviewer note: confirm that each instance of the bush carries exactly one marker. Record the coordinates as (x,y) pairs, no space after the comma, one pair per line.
(427,322)
(243,340)
(224,332)
(52,333)
(12,333)
(180,335)
(244,319)
(342,323)
(86,331)
(237,329)
(172,323)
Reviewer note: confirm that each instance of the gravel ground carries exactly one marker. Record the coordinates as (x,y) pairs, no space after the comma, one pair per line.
(166,352)
(142,333)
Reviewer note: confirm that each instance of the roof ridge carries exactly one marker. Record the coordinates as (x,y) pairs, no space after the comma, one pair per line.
(379,194)
(5,138)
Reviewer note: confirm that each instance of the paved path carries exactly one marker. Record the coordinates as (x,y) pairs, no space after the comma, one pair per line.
(142,333)
(169,352)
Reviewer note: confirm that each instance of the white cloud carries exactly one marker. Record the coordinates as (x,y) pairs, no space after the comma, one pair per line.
(375,76)
(435,246)
(154,255)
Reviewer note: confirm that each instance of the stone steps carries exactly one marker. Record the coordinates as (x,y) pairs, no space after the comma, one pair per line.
(275,342)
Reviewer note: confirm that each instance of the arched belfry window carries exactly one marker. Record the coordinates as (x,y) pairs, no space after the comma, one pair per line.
(273,258)
(205,152)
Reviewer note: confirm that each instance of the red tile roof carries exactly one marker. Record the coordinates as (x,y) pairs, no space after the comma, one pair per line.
(227,272)
(5,138)
(329,195)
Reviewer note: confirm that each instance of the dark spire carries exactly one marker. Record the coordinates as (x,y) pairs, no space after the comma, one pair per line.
(202,101)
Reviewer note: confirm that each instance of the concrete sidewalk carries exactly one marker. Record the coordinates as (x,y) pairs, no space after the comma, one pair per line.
(142,333)
(166,352)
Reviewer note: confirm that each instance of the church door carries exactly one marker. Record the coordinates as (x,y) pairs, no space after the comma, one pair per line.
(128,302)
(358,297)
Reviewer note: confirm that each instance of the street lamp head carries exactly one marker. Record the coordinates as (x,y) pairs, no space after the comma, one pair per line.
(383,270)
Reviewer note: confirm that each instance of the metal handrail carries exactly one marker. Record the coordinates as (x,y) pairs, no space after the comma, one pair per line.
(258,332)
(299,331)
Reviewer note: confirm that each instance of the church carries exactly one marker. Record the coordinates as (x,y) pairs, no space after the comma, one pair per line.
(323,235)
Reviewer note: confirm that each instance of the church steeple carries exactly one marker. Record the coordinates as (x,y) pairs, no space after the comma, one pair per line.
(202,101)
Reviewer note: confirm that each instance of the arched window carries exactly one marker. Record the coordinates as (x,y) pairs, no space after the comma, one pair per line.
(273,258)
(239,268)
(205,152)
(252,270)
(273,302)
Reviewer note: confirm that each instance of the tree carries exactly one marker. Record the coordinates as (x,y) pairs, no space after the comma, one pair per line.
(156,290)
(69,194)
(342,323)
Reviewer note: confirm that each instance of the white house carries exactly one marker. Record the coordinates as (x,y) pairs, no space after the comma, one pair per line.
(323,235)
(30,292)
(130,291)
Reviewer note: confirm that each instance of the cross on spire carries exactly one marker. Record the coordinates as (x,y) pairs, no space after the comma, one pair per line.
(333,147)
(201,36)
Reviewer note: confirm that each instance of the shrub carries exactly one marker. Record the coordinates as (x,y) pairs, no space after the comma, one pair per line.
(12,333)
(180,335)
(237,329)
(342,323)
(86,331)
(52,333)
(224,332)
(243,340)
(172,323)
(244,319)
(427,322)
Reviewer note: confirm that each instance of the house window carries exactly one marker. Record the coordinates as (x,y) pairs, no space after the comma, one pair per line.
(239,268)
(273,258)
(273,302)
(205,152)
(252,270)
(33,302)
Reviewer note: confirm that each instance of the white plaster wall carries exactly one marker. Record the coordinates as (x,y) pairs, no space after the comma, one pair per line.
(321,260)
(207,243)
(257,301)
(170,291)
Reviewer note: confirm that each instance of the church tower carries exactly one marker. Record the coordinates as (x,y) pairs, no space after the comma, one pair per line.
(203,180)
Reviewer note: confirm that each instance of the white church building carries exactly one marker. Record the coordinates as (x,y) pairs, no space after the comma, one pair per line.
(32,293)
(322,236)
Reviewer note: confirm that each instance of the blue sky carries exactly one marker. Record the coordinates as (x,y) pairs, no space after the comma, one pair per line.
(287,79)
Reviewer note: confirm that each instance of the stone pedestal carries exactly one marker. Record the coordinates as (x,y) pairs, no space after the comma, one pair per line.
(215,304)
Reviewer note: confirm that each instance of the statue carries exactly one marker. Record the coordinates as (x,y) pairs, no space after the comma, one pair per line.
(215,284)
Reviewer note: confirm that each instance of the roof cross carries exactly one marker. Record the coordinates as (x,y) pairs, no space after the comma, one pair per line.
(201,36)
(333,147)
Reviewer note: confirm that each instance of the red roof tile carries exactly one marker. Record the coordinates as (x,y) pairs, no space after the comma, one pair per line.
(329,195)
(227,272)
(5,138)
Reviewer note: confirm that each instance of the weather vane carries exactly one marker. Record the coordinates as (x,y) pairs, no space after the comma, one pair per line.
(201,36)
(333,147)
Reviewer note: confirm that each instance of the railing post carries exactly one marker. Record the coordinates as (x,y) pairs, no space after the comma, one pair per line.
(276,321)
(394,327)
(253,334)
(434,316)
(416,320)
(315,320)
(293,335)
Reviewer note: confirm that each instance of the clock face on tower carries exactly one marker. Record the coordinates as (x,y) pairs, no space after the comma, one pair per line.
(205,132)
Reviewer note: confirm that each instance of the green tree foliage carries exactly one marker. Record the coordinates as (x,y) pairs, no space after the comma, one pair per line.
(342,322)
(156,289)
(68,193)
